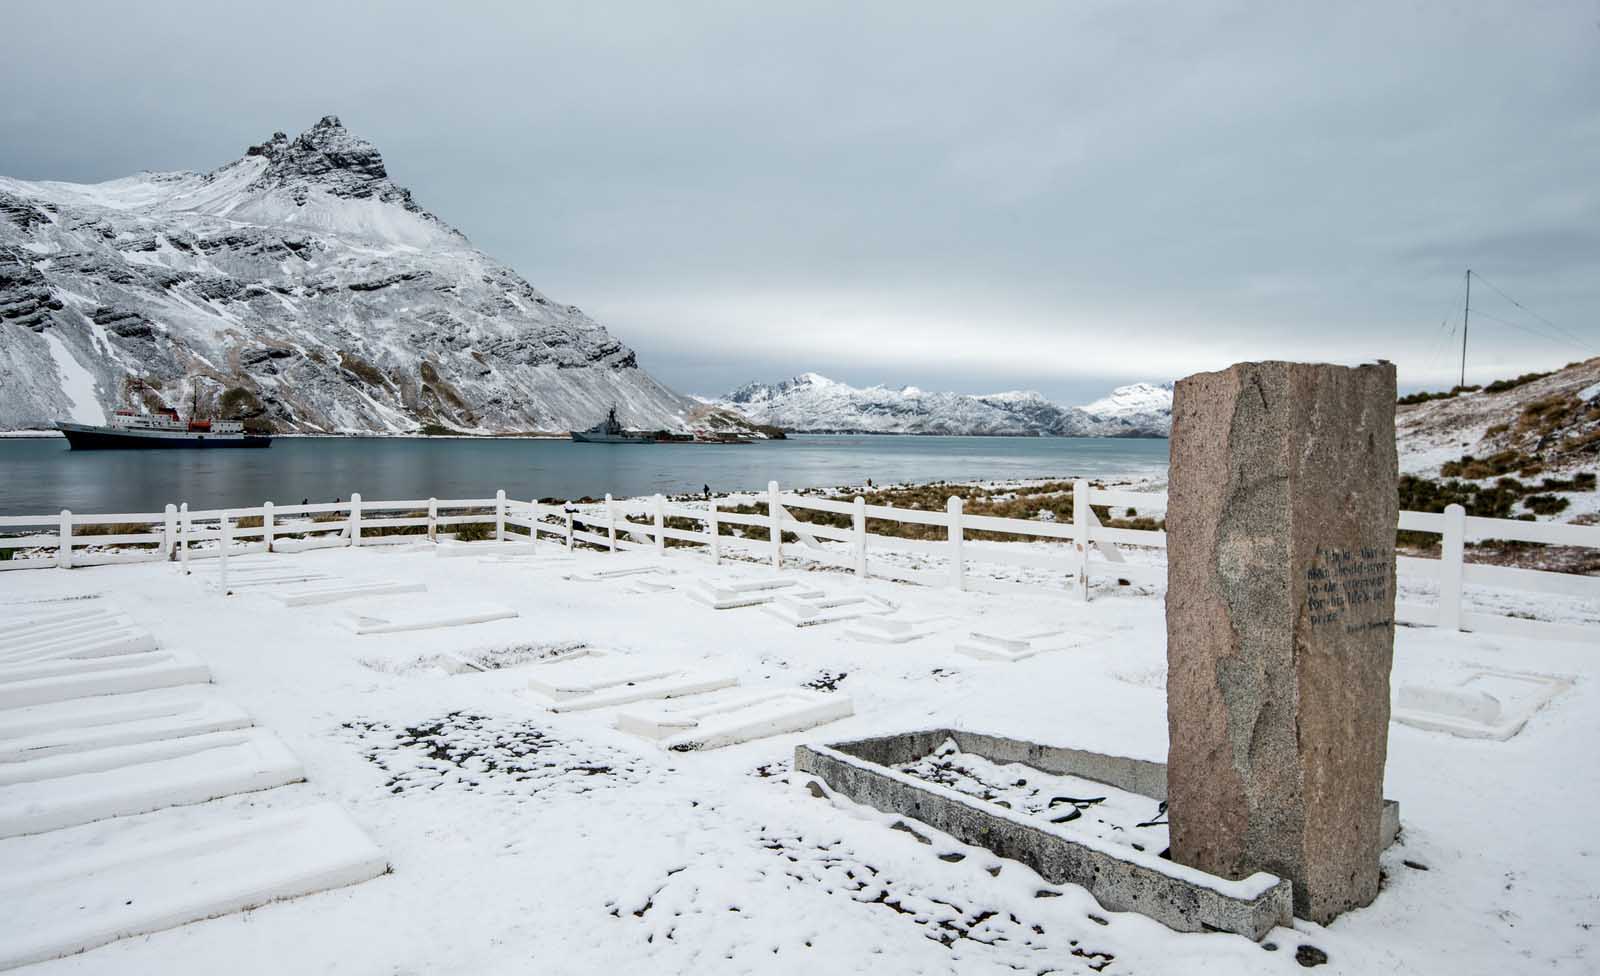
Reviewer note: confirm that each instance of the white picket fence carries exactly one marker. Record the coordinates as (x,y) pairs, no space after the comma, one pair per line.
(1087,549)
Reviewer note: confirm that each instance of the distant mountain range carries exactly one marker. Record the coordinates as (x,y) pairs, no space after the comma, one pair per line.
(297,286)
(812,403)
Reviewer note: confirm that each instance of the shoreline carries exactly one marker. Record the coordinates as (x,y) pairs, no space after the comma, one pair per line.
(35,434)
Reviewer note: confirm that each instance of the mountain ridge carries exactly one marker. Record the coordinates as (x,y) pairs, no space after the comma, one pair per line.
(812,403)
(296,287)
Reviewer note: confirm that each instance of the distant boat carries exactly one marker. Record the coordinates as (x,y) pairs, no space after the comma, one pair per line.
(611,431)
(159,430)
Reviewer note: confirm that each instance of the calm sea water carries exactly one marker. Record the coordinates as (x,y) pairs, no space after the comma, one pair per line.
(39,476)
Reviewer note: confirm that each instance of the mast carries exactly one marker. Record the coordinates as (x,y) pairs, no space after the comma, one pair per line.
(1465,311)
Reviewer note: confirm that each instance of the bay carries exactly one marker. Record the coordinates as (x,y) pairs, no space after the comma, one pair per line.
(41,475)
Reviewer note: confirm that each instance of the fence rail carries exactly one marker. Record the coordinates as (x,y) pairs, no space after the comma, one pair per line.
(1083,549)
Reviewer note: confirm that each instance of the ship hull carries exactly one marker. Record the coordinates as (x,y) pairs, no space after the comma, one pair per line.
(82,437)
(584,437)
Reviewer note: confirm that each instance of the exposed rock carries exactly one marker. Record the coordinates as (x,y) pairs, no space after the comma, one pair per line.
(123,322)
(1280,625)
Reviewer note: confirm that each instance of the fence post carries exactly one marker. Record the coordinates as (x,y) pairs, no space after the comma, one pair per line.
(953,508)
(611,522)
(433,520)
(500,515)
(355,519)
(188,526)
(222,553)
(568,509)
(64,555)
(169,531)
(775,514)
(1080,531)
(661,524)
(1451,555)
(266,525)
(716,534)
(859,524)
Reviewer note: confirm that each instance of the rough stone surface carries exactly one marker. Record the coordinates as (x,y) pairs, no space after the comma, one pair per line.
(1280,625)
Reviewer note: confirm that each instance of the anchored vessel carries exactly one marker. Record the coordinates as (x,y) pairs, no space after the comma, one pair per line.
(611,431)
(159,430)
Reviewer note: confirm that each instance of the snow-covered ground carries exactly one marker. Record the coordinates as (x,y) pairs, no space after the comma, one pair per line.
(525,841)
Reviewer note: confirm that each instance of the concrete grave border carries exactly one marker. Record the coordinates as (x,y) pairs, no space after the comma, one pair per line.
(1120,878)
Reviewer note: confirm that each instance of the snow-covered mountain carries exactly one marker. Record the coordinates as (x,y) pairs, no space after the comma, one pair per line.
(297,285)
(815,404)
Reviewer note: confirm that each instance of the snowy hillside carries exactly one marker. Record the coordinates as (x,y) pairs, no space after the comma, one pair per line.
(297,285)
(813,403)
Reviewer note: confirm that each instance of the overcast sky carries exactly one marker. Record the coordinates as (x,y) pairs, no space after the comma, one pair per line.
(1062,196)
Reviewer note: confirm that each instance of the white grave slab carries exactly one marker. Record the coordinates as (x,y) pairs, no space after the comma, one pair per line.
(112,892)
(547,555)
(425,617)
(105,643)
(115,720)
(893,630)
(802,611)
(446,548)
(16,616)
(274,578)
(693,725)
(608,573)
(13,637)
(647,586)
(690,681)
(80,787)
(334,592)
(1483,705)
(733,594)
(52,681)
(1000,643)
(590,671)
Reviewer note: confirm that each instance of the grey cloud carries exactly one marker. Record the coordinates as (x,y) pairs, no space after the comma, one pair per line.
(1056,196)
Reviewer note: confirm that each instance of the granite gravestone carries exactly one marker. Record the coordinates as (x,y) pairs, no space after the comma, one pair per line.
(1280,625)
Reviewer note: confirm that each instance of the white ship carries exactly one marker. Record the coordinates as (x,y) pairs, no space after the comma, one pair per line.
(162,429)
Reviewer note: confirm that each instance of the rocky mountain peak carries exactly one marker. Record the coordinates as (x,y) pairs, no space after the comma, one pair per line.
(298,286)
(331,158)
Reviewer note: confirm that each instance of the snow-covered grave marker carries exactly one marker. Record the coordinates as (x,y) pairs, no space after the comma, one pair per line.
(449,548)
(694,724)
(111,892)
(610,573)
(77,788)
(25,629)
(803,611)
(1001,643)
(41,683)
(544,556)
(334,592)
(678,684)
(424,617)
(597,679)
(273,577)
(647,585)
(95,643)
(115,720)
(1483,705)
(895,629)
(17,616)
(732,594)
